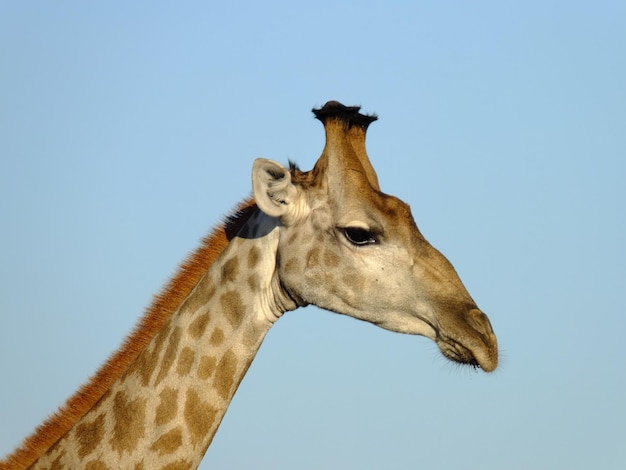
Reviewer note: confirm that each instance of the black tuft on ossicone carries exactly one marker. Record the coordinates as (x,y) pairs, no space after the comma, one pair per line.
(350,115)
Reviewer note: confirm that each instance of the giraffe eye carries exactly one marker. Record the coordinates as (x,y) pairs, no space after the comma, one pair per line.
(359,236)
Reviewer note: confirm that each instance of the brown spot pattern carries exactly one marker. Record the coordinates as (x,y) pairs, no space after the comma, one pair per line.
(168,405)
(198,326)
(217,337)
(331,259)
(232,307)
(253,282)
(230,270)
(89,435)
(168,442)
(199,416)
(185,361)
(206,367)
(254,255)
(95,465)
(57,464)
(225,374)
(292,266)
(149,359)
(307,238)
(313,258)
(157,317)
(178,465)
(328,279)
(251,335)
(354,282)
(129,422)
(170,355)
(200,296)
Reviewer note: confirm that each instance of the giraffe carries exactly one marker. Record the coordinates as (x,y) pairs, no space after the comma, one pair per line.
(327,237)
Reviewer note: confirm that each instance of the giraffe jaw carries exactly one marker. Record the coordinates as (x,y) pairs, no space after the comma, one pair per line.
(465,338)
(468,342)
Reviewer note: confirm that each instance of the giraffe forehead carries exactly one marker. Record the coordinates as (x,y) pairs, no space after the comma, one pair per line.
(369,210)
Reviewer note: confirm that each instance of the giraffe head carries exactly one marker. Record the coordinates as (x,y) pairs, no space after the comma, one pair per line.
(347,247)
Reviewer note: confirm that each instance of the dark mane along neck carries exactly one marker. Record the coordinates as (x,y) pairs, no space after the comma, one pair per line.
(162,308)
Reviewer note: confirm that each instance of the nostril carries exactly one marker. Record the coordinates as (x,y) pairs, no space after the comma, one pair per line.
(479,321)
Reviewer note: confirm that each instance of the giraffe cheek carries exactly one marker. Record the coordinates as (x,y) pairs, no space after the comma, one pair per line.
(354,285)
(313,258)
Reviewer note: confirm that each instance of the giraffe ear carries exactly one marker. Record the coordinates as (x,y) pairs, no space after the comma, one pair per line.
(274,192)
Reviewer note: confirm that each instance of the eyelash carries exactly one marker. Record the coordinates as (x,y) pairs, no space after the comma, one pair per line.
(359,236)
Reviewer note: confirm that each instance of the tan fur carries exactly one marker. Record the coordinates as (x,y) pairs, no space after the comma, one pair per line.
(163,306)
(308,239)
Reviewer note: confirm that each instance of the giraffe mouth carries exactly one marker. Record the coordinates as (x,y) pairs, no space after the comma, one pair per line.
(456,352)
(470,340)
(480,353)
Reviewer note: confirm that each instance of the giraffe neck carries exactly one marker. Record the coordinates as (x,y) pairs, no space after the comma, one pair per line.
(166,407)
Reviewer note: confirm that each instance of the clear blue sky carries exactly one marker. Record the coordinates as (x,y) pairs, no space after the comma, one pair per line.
(127,129)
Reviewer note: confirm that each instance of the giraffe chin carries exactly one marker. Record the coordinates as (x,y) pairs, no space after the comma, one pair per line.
(473,352)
